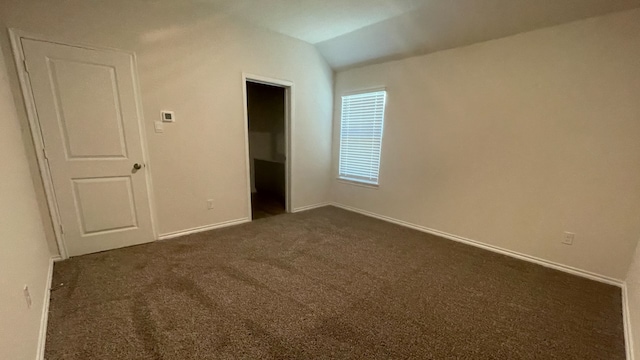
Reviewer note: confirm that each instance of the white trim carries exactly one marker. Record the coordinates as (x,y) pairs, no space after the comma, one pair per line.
(52,39)
(36,134)
(364,90)
(626,318)
(246,145)
(199,229)
(288,139)
(16,37)
(310,207)
(546,263)
(289,87)
(145,150)
(358,183)
(44,318)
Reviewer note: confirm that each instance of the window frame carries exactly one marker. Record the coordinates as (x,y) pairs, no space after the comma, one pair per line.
(357,182)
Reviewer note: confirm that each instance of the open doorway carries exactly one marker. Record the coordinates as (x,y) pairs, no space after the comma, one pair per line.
(267,124)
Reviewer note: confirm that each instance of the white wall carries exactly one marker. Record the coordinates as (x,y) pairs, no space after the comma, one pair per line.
(512,142)
(24,256)
(191,61)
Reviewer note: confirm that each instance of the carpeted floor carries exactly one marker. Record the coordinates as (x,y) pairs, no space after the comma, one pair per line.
(325,284)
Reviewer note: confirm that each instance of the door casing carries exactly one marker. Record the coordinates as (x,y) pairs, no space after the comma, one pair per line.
(16,37)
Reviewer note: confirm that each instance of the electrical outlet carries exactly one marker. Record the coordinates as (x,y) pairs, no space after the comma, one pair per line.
(27,296)
(210,204)
(568,238)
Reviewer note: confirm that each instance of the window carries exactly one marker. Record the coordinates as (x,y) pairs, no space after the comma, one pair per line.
(361,136)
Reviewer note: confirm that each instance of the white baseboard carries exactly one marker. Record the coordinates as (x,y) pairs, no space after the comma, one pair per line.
(496,249)
(626,318)
(44,318)
(309,207)
(199,229)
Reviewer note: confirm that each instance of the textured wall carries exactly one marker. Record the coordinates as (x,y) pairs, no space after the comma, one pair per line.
(24,256)
(512,142)
(191,60)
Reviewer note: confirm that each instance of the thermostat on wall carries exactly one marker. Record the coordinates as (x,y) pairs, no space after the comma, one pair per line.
(168,116)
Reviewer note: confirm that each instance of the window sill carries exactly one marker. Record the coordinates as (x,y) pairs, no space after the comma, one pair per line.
(358,183)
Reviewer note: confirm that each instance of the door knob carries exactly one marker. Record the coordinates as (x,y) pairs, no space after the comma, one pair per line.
(137,166)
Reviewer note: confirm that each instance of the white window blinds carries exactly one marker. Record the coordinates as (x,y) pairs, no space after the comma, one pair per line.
(361,136)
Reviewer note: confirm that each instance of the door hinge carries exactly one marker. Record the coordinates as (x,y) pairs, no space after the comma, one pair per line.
(44,152)
(26,68)
(61,229)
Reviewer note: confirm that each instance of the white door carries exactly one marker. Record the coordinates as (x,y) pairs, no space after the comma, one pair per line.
(88,113)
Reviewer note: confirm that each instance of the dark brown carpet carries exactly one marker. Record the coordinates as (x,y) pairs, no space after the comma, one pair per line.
(325,284)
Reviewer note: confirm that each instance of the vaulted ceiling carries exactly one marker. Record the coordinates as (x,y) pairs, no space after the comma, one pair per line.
(353,32)
(314,21)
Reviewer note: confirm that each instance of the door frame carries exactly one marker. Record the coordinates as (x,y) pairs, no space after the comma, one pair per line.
(16,37)
(289,112)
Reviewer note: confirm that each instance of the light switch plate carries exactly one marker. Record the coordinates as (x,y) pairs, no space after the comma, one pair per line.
(158,126)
